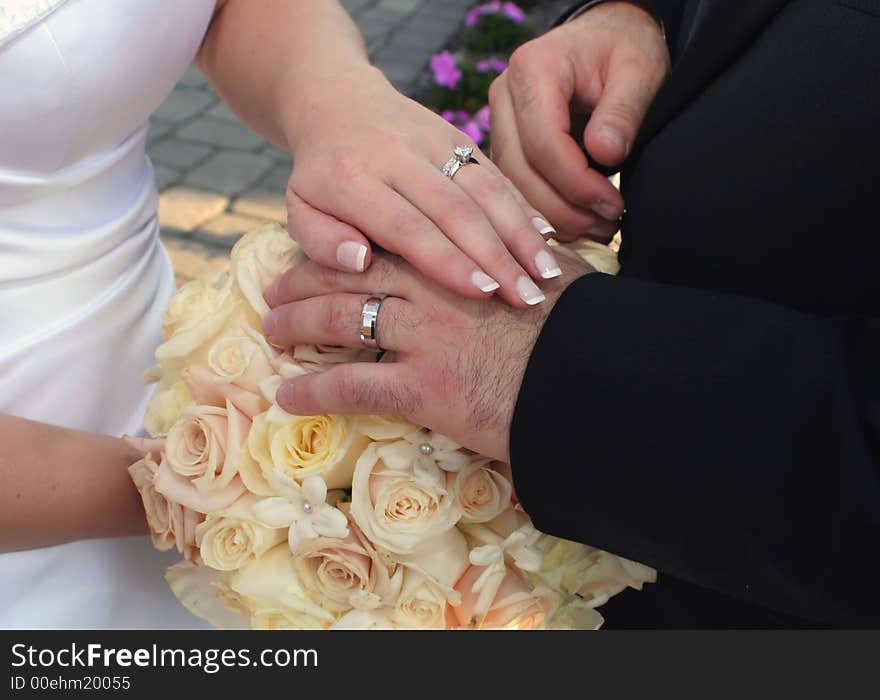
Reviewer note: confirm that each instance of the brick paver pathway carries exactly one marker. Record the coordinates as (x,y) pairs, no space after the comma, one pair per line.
(218,179)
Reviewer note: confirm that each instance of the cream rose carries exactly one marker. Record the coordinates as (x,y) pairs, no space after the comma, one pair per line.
(506,601)
(197,313)
(383,428)
(257,260)
(171,524)
(206,443)
(422,604)
(206,594)
(481,492)
(278,601)
(166,405)
(590,573)
(400,498)
(230,538)
(238,362)
(346,573)
(301,446)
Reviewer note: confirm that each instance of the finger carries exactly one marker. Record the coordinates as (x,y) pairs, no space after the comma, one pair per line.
(324,238)
(569,220)
(630,88)
(468,229)
(388,275)
(335,319)
(357,388)
(391,221)
(541,88)
(519,229)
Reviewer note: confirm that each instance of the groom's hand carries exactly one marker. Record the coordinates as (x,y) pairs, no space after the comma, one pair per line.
(608,63)
(458,363)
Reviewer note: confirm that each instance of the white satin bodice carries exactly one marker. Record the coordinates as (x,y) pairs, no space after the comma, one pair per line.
(83,277)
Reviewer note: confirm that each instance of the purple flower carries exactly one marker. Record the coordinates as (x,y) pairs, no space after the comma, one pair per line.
(445,69)
(491,64)
(456,116)
(473,130)
(510,10)
(482,118)
(514,12)
(473,17)
(472,126)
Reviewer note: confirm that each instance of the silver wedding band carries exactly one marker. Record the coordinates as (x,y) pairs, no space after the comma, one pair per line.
(463,155)
(369,323)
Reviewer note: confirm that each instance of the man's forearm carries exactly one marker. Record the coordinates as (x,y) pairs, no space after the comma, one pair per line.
(267,58)
(59,485)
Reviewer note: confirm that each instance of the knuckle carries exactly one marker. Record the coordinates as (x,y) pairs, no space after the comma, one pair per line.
(327,277)
(489,187)
(522,60)
(330,317)
(345,167)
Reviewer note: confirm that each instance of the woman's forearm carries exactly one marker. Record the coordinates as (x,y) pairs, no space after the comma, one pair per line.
(268,58)
(58,485)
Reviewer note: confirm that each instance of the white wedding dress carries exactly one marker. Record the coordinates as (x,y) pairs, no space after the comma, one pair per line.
(83,277)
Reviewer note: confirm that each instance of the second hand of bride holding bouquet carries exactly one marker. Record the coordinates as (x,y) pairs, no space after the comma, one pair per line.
(368,159)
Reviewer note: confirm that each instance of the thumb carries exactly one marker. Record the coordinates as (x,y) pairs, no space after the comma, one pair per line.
(629,91)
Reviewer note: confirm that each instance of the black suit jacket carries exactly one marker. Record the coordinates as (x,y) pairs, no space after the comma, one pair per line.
(714,411)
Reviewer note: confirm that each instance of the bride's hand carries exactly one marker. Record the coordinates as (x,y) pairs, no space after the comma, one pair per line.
(458,364)
(368,166)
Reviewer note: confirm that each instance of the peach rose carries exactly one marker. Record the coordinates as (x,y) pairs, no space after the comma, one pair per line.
(506,601)
(229,538)
(400,497)
(237,364)
(206,443)
(178,489)
(422,604)
(272,588)
(346,573)
(171,524)
(481,492)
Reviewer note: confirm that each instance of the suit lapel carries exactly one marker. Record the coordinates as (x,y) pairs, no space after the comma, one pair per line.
(722,30)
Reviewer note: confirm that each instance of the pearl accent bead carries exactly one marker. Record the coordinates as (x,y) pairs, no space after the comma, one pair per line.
(426,449)
(307,507)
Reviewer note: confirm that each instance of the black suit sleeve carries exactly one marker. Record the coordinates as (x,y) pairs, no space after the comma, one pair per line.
(724,440)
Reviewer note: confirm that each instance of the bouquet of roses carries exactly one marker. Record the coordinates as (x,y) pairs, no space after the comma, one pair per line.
(334,522)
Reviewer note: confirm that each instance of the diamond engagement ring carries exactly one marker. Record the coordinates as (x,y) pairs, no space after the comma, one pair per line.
(463,155)
(369,319)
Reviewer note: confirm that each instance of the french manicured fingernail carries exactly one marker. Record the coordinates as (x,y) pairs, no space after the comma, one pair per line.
(270,323)
(547,265)
(352,256)
(543,226)
(483,282)
(529,292)
(607,211)
(284,397)
(614,136)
